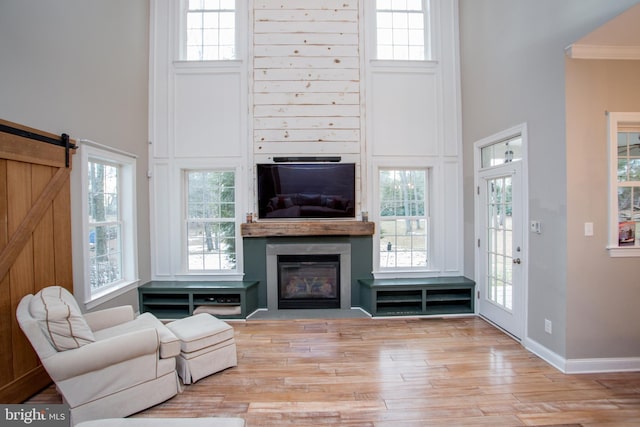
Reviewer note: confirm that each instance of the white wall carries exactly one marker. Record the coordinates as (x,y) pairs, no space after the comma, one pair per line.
(308,83)
(198,119)
(81,68)
(513,72)
(413,119)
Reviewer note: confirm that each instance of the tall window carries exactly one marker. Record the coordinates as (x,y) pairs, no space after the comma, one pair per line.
(624,155)
(211,221)
(108,222)
(105,224)
(210,30)
(403,218)
(402,29)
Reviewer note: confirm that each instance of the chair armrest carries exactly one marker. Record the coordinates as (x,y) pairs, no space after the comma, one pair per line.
(109,317)
(100,354)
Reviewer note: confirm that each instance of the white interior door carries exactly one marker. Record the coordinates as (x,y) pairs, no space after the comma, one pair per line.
(501,247)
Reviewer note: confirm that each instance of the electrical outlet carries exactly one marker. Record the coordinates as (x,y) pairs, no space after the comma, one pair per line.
(547,326)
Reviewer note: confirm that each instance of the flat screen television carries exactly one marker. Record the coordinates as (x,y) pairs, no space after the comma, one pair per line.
(306,190)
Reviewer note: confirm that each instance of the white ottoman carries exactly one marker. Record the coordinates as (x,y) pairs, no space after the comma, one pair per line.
(207,345)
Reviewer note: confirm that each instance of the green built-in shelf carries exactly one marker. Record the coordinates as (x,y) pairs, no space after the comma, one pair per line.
(418,297)
(178,299)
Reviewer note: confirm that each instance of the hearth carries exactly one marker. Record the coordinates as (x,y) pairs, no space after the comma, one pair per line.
(308,281)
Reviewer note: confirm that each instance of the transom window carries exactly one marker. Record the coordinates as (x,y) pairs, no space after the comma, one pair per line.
(501,152)
(403,218)
(210,30)
(401,29)
(624,154)
(211,221)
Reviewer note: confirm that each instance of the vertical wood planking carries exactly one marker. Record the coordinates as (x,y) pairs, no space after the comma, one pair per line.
(21,274)
(43,250)
(62,239)
(306,92)
(35,240)
(6,314)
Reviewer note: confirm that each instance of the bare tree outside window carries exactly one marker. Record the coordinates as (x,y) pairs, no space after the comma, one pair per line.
(105,246)
(211,223)
(403,218)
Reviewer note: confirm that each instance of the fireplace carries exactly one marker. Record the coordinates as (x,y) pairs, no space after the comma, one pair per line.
(308,281)
(318,275)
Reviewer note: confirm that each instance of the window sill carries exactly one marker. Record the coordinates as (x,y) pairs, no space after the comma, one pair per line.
(110,293)
(622,252)
(403,64)
(405,274)
(208,65)
(226,275)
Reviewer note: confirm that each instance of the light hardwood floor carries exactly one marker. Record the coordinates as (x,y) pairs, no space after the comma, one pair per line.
(396,372)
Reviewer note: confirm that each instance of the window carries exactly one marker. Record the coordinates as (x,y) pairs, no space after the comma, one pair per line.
(209,30)
(624,188)
(105,225)
(210,221)
(501,152)
(401,29)
(108,222)
(403,218)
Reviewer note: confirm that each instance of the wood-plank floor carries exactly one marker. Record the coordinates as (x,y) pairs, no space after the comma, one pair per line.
(396,372)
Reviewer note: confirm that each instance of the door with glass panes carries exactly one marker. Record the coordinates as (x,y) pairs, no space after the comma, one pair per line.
(500,244)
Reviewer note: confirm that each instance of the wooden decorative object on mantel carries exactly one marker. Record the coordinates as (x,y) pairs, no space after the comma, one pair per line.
(307,228)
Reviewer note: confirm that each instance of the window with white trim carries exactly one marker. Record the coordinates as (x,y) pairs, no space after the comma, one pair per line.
(210,223)
(404,220)
(109,225)
(402,30)
(208,30)
(624,184)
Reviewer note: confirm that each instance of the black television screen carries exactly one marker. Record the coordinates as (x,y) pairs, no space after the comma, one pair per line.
(306,190)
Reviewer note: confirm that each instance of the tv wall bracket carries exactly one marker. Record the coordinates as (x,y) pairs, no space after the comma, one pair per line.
(308,159)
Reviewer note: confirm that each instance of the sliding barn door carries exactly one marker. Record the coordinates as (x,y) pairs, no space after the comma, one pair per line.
(35,243)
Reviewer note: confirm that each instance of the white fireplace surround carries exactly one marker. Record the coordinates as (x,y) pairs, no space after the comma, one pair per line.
(342,249)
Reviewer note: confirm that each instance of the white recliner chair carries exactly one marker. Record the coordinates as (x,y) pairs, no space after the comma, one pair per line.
(105,364)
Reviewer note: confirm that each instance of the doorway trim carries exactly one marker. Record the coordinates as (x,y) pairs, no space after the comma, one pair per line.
(515,131)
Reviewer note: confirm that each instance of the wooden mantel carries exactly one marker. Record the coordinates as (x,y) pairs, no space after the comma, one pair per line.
(307,228)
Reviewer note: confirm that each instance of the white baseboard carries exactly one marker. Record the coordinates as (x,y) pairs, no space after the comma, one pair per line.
(606,364)
(545,354)
(582,366)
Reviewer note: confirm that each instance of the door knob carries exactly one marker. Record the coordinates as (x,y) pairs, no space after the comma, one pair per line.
(516,260)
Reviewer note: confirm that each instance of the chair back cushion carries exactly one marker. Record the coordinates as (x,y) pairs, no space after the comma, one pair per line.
(60,319)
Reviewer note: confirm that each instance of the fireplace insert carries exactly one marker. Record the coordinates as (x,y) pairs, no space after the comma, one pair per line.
(308,281)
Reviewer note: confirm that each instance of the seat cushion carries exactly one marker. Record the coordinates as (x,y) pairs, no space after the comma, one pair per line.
(57,312)
(200,331)
(169,344)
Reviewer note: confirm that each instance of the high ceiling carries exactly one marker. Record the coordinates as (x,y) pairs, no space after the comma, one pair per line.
(617,39)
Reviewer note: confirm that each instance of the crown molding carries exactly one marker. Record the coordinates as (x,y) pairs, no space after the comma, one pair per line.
(577,51)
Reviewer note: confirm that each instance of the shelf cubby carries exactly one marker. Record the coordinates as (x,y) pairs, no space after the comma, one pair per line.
(417,297)
(177,299)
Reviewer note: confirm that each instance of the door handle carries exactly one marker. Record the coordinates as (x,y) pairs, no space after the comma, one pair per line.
(516,261)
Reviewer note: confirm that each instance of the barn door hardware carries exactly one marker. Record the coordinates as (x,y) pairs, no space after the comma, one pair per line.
(64,140)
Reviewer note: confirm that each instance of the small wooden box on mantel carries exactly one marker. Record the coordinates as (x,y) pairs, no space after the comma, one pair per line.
(307,228)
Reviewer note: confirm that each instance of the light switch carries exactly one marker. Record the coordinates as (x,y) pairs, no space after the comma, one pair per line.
(535,227)
(588,229)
